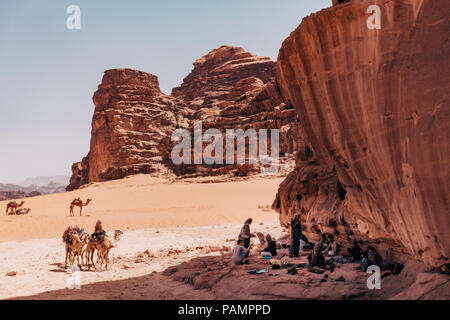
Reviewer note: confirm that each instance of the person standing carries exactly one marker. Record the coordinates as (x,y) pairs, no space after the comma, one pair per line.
(296,235)
(245,235)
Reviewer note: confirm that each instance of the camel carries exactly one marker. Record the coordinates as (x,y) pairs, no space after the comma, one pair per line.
(103,248)
(78,203)
(22,211)
(13,206)
(77,247)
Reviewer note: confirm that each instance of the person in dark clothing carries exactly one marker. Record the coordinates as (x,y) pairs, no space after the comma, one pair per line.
(316,259)
(271,246)
(324,244)
(99,233)
(308,245)
(374,258)
(296,235)
(355,252)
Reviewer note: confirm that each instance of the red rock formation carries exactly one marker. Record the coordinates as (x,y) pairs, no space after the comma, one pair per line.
(215,74)
(133,120)
(250,105)
(131,117)
(80,174)
(234,89)
(374,109)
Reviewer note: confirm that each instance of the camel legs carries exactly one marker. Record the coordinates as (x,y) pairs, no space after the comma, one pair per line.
(7,209)
(106,258)
(67,254)
(78,259)
(90,257)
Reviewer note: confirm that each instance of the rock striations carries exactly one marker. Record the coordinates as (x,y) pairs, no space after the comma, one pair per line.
(215,75)
(132,116)
(374,113)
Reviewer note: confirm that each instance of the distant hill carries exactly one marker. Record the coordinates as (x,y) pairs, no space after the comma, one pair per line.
(33,187)
(10,195)
(44,181)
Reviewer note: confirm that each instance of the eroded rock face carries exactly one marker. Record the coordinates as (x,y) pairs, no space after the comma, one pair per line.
(133,120)
(215,74)
(132,116)
(250,105)
(374,110)
(80,174)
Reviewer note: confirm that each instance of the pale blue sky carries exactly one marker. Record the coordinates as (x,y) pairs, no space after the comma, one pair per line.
(48,73)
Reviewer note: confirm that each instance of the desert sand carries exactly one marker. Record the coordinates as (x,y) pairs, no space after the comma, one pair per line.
(158,215)
(141,202)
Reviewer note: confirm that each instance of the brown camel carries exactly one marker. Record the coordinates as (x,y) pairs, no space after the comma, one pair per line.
(13,206)
(76,248)
(22,211)
(78,203)
(103,247)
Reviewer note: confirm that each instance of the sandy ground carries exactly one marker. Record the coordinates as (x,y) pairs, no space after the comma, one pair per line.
(141,202)
(217,278)
(155,215)
(39,263)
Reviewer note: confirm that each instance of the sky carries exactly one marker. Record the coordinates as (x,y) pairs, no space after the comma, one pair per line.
(49,73)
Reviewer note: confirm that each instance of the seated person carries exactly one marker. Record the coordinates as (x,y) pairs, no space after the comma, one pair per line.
(355,252)
(99,233)
(307,245)
(271,246)
(374,258)
(371,257)
(333,248)
(316,258)
(240,253)
(364,260)
(324,244)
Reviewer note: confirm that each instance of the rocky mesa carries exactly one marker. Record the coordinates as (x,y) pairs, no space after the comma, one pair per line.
(133,120)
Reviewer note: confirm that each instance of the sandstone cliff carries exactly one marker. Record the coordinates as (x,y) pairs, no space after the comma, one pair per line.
(374,113)
(131,117)
(214,76)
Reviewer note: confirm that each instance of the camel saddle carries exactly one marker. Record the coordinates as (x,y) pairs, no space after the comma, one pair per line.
(98,236)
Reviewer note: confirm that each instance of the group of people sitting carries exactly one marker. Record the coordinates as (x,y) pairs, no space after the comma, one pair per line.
(327,247)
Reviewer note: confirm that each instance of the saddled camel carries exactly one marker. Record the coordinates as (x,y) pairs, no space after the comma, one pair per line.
(78,203)
(76,248)
(103,248)
(13,206)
